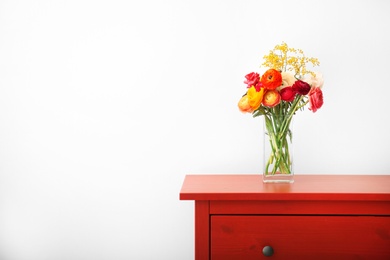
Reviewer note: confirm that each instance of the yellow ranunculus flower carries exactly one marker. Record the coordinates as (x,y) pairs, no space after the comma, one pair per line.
(254,97)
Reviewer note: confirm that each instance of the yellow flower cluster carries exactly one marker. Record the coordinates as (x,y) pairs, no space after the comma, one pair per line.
(283,58)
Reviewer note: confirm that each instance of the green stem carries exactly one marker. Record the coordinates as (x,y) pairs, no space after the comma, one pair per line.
(277,123)
(279,155)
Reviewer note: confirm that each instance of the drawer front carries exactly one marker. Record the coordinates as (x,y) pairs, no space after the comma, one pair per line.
(300,237)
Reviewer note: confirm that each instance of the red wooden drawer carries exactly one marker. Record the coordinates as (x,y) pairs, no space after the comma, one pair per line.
(300,237)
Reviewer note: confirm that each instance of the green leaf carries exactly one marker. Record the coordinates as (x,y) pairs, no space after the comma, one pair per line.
(259,112)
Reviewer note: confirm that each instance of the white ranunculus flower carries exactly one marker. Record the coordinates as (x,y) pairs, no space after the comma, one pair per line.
(317,81)
(288,80)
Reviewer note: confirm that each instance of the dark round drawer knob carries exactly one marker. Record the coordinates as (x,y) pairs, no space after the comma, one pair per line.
(268,251)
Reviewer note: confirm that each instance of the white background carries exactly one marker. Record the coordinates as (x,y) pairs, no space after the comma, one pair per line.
(105,106)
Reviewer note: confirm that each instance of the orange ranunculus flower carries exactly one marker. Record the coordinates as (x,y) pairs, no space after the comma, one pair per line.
(243,104)
(255,97)
(271,98)
(271,79)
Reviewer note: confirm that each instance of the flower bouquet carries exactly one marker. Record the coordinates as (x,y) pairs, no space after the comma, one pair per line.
(284,88)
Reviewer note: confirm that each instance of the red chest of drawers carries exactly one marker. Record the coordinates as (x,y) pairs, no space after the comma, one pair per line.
(316,217)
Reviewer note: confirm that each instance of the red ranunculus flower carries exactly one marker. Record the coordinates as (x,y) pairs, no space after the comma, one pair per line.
(287,94)
(301,87)
(252,79)
(271,79)
(258,86)
(316,99)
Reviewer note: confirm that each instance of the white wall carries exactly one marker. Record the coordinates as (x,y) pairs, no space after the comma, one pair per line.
(106,105)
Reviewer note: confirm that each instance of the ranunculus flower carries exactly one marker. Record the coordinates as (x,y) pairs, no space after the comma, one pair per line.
(287,94)
(252,79)
(316,99)
(258,86)
(243,104)
(288,80)
(317,81)
(271,98)
(255,97)
(271,79)
(301,87)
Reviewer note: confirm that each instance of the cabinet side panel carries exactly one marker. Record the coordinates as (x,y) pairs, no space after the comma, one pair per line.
(202,230)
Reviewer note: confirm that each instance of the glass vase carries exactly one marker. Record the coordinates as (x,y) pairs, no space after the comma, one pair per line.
(278,149)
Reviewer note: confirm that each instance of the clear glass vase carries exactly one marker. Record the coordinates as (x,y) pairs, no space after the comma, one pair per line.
(278,149)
